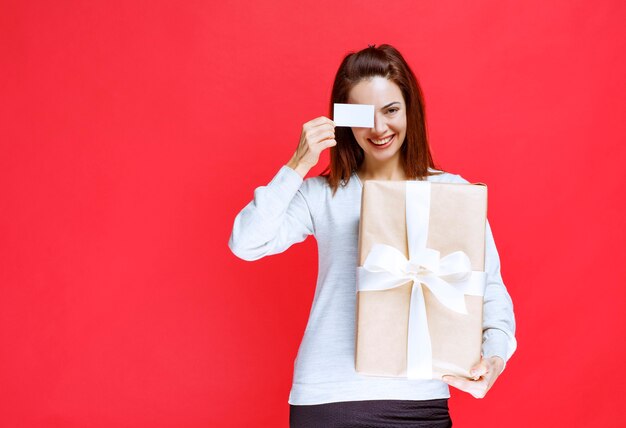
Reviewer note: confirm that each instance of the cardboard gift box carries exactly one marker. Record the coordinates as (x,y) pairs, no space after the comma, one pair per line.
(421,279)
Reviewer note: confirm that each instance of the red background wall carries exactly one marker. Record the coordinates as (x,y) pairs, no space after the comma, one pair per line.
(133,132)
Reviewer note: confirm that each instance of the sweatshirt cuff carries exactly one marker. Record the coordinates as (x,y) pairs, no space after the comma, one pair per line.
(497,343)
(286,180)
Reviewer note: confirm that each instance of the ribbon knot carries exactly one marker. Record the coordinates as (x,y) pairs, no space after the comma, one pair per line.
(416,270)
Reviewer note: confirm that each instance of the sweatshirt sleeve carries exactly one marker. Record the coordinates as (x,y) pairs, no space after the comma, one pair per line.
(498,317)
(277,217)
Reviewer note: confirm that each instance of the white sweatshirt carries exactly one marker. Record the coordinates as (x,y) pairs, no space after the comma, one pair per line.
(289,209)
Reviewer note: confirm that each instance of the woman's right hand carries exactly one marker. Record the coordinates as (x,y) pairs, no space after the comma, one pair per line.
(317,135)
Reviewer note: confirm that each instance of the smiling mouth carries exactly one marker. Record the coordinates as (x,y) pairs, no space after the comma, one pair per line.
(382,141)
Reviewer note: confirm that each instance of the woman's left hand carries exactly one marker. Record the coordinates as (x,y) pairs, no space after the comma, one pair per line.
(484,375)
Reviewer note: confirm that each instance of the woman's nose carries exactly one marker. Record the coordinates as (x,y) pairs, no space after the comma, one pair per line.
(380,125)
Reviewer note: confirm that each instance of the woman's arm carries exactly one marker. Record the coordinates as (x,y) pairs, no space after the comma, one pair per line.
(498,317)
(279,214)
(277,217)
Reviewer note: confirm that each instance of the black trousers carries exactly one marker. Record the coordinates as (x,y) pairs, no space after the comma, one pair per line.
(372,414)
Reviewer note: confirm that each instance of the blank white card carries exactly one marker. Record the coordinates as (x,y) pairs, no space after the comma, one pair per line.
(354,115)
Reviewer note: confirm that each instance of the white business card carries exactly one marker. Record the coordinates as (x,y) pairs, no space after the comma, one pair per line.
(354,115)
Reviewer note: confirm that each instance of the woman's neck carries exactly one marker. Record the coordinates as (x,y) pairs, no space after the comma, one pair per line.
(381,171)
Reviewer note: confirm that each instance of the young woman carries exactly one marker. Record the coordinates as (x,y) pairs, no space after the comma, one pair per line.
(326,390)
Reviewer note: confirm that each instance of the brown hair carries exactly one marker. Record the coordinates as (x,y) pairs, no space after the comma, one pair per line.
(347,156)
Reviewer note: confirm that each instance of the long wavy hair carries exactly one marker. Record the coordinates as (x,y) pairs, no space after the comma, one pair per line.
(347,156)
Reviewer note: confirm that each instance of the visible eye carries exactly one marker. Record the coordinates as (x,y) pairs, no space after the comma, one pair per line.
(393,110)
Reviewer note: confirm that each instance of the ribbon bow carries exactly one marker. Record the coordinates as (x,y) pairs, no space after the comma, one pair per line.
(386,268)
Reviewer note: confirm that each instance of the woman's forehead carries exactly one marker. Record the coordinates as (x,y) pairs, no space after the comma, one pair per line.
(377,91)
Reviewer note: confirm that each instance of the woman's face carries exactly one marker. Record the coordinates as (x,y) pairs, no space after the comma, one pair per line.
(382,142)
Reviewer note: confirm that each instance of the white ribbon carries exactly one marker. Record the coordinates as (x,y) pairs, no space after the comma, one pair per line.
(449,278)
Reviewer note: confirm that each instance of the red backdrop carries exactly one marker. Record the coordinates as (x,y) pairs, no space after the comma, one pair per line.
(133,132)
